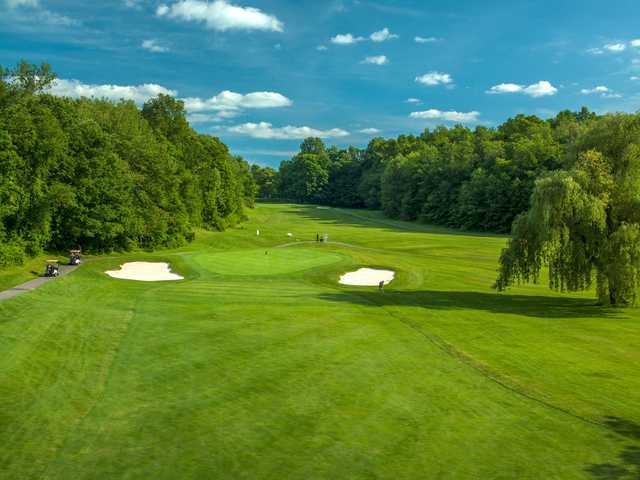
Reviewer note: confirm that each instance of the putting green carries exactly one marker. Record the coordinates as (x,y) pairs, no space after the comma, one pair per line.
(270,261)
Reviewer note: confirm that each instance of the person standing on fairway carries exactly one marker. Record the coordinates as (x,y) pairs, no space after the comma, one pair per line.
(381,286)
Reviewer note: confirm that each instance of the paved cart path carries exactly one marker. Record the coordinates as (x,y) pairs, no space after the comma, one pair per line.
(33,284)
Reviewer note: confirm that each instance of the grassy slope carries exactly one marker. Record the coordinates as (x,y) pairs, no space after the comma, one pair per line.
(261,366)
(12,276)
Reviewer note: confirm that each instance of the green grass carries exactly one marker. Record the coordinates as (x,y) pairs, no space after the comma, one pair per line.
(260,366)
(12,276)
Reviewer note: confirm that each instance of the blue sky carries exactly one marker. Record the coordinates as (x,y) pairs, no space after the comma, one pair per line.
(262,74)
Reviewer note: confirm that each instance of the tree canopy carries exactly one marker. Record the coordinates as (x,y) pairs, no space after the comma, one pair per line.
(106,175)
(584,223)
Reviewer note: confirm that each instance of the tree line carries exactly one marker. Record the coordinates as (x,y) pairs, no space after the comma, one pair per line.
(107,175)
(569,186)
(471,179)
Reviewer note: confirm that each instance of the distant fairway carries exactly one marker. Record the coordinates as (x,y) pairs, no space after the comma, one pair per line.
(261,366)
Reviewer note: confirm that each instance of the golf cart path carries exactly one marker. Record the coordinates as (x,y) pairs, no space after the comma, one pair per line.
(33,284)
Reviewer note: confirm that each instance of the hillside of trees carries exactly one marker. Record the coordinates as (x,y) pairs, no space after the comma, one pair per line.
(477,180)
(106,175)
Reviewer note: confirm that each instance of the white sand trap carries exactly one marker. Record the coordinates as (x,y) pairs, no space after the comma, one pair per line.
(367,277)
(145,272)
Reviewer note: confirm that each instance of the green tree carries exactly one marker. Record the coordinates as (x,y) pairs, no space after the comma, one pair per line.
(584,224)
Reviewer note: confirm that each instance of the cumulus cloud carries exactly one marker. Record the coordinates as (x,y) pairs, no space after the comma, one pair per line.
(615,47)
(377,60)
(598,89)
(542,88)
(264,130)
(419,39)
(635,43)
(321,48)
(346,39)
(137,93)
(154,46)
(451,116)
(39,15)
(23,3)
(604,92)
(634,78)
(611,48)
(228,100)
(220,15)
(212,117)
(382,35)
(506,88)
(432,79)
(412,100)
(132,4)
(369,131)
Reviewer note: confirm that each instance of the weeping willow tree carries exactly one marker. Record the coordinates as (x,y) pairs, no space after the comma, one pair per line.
(584,224)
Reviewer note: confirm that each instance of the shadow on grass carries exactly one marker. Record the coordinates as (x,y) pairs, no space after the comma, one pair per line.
(527,305)
(351,218)
(628,465)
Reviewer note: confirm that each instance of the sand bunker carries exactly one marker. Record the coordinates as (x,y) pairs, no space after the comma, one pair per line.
(367,277)
(144,272)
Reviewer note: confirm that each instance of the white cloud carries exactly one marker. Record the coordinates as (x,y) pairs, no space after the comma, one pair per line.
(382,35)
(419,39)
(615,47)
(345,39)
(264,130)
(132,4)
(369,131)
(137,93)
(451,116)
(595,51)
(542,88)
(377,60)
(23,3)
(220,107)
(212,117)
(228,100)
(321,48)
(634,78)
(635,43)
(221,15)
(601,90)
(412,100)
(41,15)
(154,46)
(506,88)
(434,78)
(598,89)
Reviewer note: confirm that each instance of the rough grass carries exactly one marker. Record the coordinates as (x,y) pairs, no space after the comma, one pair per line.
(262,366)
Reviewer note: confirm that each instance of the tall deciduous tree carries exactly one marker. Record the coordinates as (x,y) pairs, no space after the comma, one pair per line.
(584,224)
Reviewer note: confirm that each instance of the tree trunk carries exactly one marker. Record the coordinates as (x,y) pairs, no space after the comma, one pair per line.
(613,297)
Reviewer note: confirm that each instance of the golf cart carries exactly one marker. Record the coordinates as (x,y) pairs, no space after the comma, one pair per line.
(52,269)
(74,257)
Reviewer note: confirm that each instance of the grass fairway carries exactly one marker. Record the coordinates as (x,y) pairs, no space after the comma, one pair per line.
(260,366)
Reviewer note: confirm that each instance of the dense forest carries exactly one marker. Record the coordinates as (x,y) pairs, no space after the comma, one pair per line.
(472,179)
(106,175)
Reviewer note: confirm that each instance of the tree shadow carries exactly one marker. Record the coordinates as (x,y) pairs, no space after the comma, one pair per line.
(526,305)
(628,465)
(346,217)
